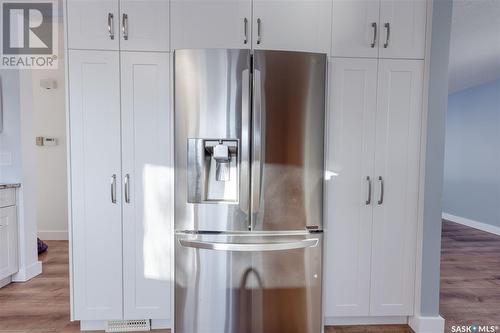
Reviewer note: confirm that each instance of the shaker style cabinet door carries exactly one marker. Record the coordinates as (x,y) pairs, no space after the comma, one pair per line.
(402,29)
(144,25)
(94,111)
(292,25)
(397,151)
(349,186)
(355,28)
(8,242)
(147,184)
(93,24)
(222,24)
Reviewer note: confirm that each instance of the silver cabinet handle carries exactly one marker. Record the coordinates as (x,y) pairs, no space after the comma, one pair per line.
(381,199)
(388,34)
(125,26)
(374,26)
(113,189)
(245,30)
(258,31)
(369,181)
(111,26)
(127,188)
(250,247)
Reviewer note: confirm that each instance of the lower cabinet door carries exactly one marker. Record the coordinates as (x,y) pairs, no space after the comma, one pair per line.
(395,210)
(94,114)
(147,144)
(8,242)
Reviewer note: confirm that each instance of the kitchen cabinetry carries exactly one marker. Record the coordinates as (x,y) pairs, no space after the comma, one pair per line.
(384,28)
(274,25)
(120,181)
(130,25)
(373,161)
(8,235)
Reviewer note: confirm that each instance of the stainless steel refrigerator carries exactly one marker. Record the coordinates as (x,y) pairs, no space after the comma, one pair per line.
(249,170)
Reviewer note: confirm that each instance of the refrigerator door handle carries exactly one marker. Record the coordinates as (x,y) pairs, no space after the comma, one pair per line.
(245,144)
(250,247)
(257,153)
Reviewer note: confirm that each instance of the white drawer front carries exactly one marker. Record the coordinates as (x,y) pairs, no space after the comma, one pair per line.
(7,197)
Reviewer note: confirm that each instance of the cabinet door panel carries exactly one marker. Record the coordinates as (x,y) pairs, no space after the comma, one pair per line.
(351,134)
(397,162)
(293,25)
(95,157)
(147,208)
(8,242)
(211,24)
(353,30)
(146,24)
(88,24)
(407,19)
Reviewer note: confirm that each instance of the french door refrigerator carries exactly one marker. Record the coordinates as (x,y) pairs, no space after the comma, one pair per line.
(249,168)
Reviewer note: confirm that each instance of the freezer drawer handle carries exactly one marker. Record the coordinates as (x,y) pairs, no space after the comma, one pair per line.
(250,247)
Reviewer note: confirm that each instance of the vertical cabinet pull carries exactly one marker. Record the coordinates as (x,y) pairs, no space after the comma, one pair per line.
(127,188)
(381,199)
(245,30)
(388,34)
(369,200)
(374,26)
(113,188)
(111,26)
(258,31)
(125,26)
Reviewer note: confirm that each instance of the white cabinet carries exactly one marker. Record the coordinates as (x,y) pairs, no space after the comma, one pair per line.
(292,25)
(132,25)
(8,235)
(147,172)
(373,160)
(397,148)
(353,91)
(93,24)
(96,184)
(120,128)
(383,28)
(211,24)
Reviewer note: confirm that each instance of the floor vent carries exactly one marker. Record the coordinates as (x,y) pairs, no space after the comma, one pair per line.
(128,325)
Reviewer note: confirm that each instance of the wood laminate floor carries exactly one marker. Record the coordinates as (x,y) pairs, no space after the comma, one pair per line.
(470,276)
(470,288)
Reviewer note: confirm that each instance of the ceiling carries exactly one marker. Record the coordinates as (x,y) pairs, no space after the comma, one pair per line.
(475,43)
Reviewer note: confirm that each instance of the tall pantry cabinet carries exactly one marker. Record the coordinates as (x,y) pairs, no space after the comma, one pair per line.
(121,159)
(374,129)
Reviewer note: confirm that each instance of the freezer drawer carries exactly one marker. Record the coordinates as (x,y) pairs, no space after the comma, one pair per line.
(248,283)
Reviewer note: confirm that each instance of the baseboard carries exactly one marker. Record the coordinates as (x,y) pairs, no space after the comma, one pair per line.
(6,281)
(53,235)
(334,321)
(473,224)
(100,325)
(426,324)
(27,273)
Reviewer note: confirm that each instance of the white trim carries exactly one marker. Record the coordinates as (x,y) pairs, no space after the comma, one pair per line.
(53,235)
(6,281)
(427,324)
(386,320)
(492,229)
(161,324)
(27,273)
(93,325)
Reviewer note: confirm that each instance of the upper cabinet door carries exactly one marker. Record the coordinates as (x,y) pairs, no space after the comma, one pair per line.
(355,28)
(144,25)
(147,180)
(211,24)
(397,151)
(349,197)
(402,29)
(93,24)
(292,25)
(94,107)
